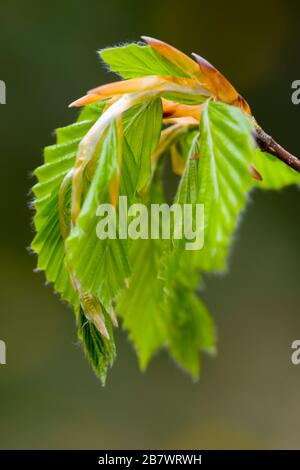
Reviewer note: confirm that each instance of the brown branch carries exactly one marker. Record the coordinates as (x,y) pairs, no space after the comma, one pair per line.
(266,143)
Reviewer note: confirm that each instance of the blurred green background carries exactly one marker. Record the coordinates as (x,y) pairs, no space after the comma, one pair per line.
(249,395)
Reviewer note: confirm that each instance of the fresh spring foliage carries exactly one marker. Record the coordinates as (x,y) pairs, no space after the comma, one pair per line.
(168,107)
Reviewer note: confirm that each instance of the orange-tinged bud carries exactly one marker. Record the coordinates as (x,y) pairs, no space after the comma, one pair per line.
(216,82)
(219,86)
(173,55)
(243,105)
(85,100)
(183,121)
(151,83)
(209,77)
(174,110)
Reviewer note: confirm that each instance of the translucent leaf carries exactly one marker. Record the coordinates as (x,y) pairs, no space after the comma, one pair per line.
(100,265)
(190,328)
(135,60)
(99,351)
(142,127)
(226,152)
(162,276)
(139,304)
(275,174)
(48,242)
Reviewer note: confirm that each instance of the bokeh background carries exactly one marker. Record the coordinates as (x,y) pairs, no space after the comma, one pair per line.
(249,395)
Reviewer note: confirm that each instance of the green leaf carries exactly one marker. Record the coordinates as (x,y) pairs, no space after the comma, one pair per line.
(91,112)
(187,192)
(48,242)
(142,127)
(135,60)
(159,307)
(139,304)
(275,174)
(99,351)
(226,152)
(190,328)
(100,265)
(187,195)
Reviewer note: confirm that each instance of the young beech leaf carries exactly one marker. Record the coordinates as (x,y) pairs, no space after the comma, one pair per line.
(187,192)
(149,305)
(99,351)
(275,174)
(139,304)
(189,328)
(142,126)
(133,60)
(48,242)
(100,265)
(226,152)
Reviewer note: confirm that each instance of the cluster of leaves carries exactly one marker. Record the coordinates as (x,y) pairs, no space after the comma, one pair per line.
(119,145)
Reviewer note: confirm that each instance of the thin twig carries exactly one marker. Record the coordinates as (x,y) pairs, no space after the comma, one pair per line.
(266,143)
